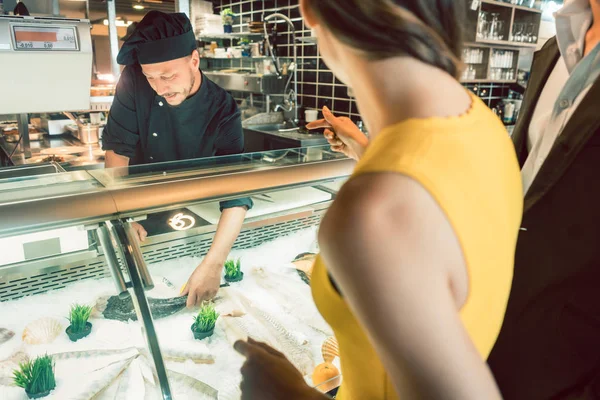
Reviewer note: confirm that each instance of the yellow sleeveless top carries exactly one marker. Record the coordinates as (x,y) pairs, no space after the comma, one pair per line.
(468,165)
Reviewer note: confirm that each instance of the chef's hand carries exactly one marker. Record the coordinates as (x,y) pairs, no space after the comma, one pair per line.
(140,231)
(203,283)
(342,134)
(267,375)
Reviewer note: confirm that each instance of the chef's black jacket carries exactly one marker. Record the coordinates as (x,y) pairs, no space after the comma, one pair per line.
(144,127)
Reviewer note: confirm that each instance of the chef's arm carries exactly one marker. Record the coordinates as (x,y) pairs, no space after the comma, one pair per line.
(204,282)
(230,225)
(119,164)
(114,160)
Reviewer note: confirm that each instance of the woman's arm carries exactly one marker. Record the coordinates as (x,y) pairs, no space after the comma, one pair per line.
(400,267)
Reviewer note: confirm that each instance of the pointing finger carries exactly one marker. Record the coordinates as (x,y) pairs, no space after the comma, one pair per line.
(242,347)
(320,123)
(265,347)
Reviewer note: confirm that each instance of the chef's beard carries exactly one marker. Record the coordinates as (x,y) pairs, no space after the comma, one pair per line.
(189,91)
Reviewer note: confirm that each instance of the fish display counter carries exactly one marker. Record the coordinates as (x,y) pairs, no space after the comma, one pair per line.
(89,312)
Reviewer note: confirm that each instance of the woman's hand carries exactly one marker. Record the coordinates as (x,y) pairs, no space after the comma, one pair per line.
(342,134)
(267,374)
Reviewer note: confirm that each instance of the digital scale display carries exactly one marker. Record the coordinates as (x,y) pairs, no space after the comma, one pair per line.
(45,38)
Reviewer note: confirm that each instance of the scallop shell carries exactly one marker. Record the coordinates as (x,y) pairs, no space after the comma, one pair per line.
(330,349)
(100,306)
(42,331)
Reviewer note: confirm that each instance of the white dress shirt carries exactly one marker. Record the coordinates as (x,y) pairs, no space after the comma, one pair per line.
(557,101)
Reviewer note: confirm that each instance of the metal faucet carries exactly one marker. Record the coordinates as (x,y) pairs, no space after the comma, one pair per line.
(291,103)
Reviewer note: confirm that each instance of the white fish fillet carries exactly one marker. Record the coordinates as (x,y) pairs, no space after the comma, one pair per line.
(293,296)
(184,387)
(89,382)
(298,353)
(9,365)
(227,303)
(131,385)
(197,354)
(233,328)
(240,328)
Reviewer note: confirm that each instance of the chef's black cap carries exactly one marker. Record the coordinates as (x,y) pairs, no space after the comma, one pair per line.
(159,37)
(130,30)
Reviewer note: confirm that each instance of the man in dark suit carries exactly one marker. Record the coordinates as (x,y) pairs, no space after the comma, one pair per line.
(549,345)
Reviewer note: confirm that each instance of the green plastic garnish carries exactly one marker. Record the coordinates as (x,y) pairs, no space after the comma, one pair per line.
(36,376)
(206,319)
(233,268)
(79,317)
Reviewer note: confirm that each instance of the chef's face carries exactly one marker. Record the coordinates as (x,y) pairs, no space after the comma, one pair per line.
(175,79)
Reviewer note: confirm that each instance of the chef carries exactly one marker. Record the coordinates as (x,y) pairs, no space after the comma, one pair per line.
(165,109)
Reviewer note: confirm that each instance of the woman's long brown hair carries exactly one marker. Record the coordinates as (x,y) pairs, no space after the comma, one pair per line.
(428,30)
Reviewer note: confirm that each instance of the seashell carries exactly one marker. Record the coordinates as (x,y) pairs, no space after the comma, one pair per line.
(330,349)
(100,306)
(305,256)
(5,335)
(42,331)
(235,313)
(304,265)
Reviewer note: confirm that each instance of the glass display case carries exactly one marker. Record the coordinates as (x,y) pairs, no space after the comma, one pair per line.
(66,240)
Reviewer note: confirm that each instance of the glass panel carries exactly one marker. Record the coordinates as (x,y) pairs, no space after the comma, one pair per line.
(269,301)
(101,359)
(157,172)
(24,188)
(44,244)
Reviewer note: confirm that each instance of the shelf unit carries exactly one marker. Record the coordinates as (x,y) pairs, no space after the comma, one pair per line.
(503,4)
(487,81)
(483,70)
(227,36)
(506,43)
(510,14)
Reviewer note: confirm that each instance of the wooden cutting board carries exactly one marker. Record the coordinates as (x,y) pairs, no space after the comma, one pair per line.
(282,200)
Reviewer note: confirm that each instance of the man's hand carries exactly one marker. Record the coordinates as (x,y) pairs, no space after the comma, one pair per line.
(342,134)
(203,283)
(140,231)
(268,375)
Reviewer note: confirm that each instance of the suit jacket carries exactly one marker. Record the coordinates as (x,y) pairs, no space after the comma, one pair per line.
(549,345)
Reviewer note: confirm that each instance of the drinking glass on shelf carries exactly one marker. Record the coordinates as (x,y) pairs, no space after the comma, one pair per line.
(518,32)
(500,30)
(472,72)
(493,32)
(532,32)
(483,25)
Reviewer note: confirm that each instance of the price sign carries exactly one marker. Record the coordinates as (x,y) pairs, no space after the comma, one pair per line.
(46,38)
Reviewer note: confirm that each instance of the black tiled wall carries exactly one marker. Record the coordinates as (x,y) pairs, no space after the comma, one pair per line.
(316,84)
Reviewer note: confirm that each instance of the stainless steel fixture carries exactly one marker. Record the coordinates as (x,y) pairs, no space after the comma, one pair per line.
(290,101)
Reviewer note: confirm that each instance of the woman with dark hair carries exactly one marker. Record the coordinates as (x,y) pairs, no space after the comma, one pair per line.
(417,249)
